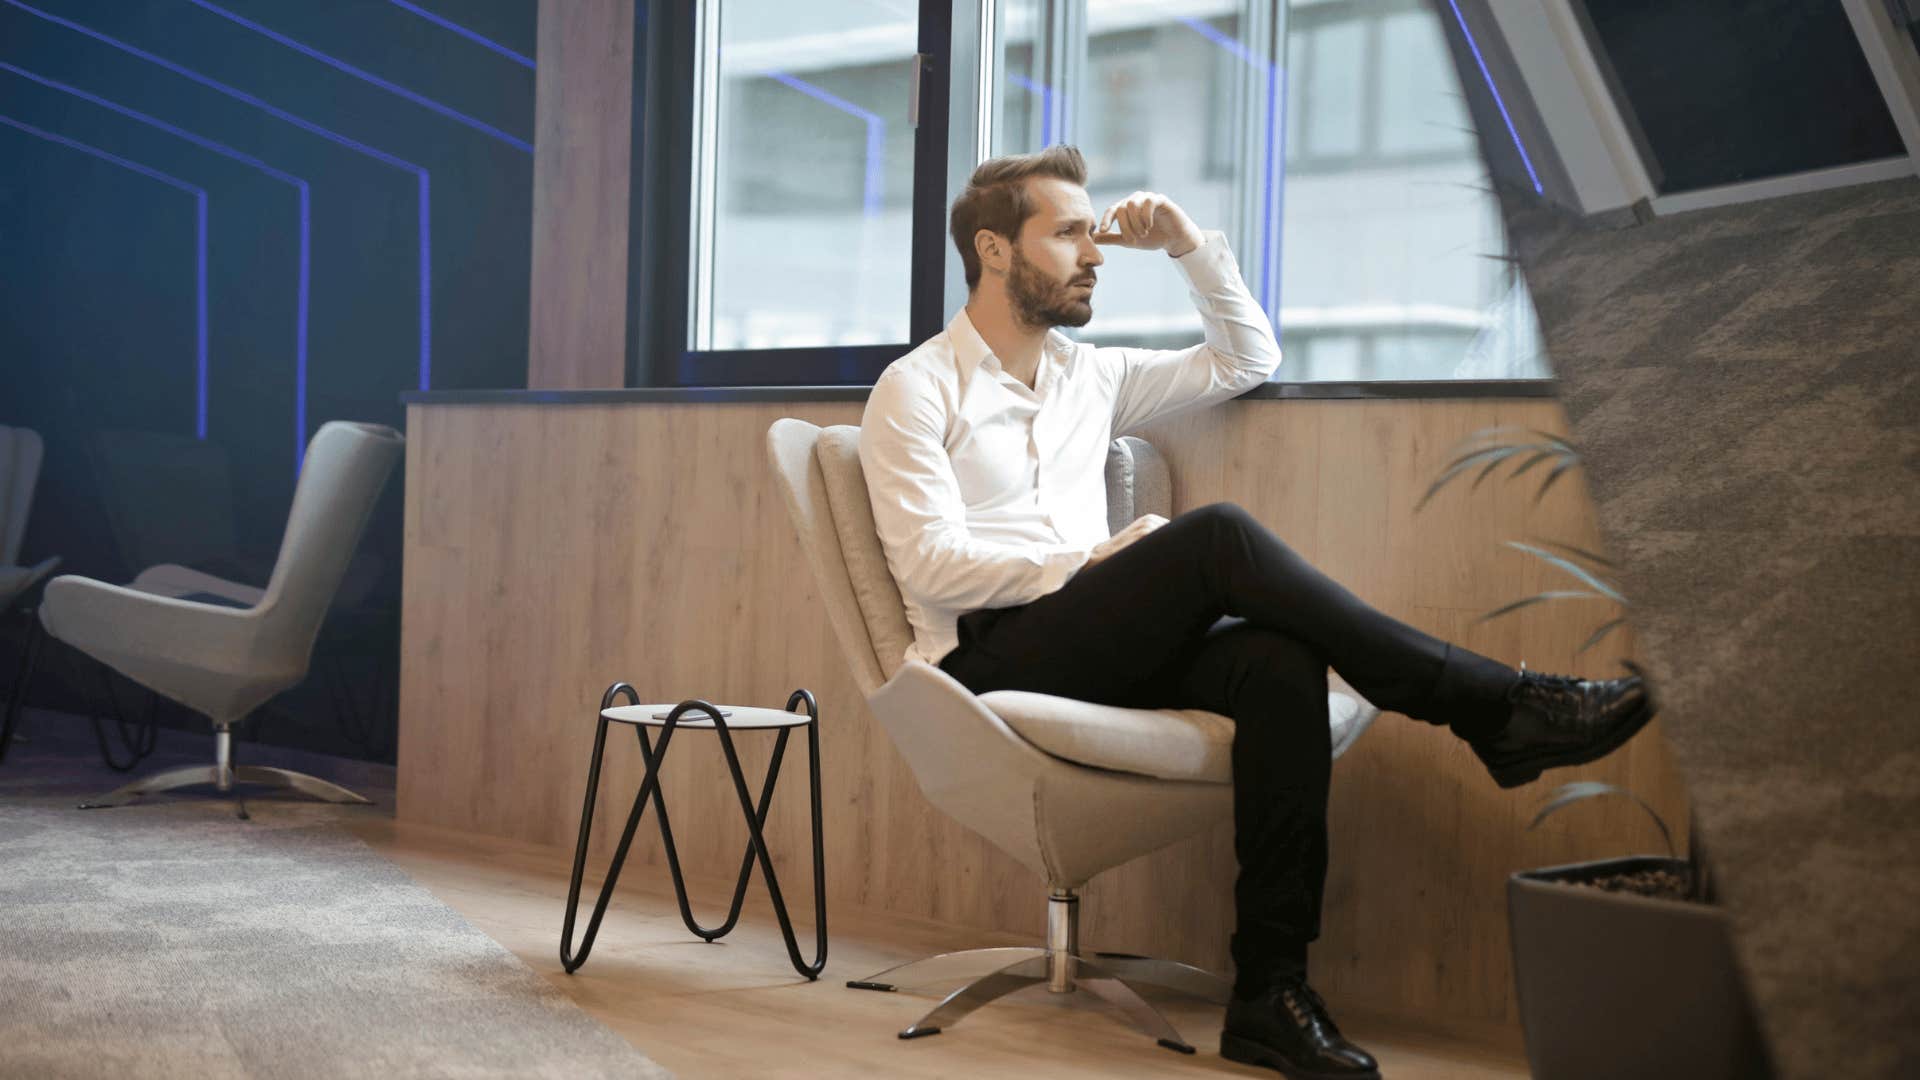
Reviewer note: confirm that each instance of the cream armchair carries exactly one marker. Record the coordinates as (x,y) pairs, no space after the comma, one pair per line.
(225,661)
(1066,787)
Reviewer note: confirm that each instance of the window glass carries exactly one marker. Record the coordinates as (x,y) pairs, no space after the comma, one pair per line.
(1333,86)
(1378,249)
(1421,109)
(1391,237)
(803,199)
(1161,108)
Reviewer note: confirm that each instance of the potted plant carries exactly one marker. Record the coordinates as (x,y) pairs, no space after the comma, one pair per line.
(1624,967)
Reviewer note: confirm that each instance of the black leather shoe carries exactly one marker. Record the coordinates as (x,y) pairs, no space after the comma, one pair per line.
(1287,1028)
(1559,720)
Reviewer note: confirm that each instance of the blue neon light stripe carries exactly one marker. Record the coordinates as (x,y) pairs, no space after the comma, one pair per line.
(876,132)
(1498,102)
(421,100)
(299,185)
(198,140)
(200,251)
(1231,44)
(426,334)
(426,292)
(484,42)
(1046,105)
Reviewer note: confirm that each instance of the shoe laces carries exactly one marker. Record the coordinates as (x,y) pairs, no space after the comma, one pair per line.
(1307,1005)
(1537,688)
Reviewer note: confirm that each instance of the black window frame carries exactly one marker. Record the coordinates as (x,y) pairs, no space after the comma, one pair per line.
(661,194)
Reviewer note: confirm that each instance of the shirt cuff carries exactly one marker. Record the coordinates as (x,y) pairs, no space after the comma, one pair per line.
(1211,264)
(1060,565)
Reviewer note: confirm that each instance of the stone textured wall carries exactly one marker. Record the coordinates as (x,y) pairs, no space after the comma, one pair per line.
(1745,383)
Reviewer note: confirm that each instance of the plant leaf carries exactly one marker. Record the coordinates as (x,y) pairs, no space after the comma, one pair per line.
(1557,440)
(1581,572)
(1536,459)
(1461,465)
(1565,464)
(1467,460)
(1497,431)
(1592,557)
(1567,794)
(1537,598)
(1491,465)
(1605,628)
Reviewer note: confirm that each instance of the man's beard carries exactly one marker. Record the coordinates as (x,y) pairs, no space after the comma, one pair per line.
(1042,302)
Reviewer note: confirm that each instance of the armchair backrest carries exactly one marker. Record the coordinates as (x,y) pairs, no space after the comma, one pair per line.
(826,492)
(20,454)
(340,480)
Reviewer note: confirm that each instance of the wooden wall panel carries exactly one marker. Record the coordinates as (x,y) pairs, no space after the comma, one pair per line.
(583,134)
(553,550)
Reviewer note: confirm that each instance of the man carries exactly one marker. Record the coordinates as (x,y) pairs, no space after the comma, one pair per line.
(984,452)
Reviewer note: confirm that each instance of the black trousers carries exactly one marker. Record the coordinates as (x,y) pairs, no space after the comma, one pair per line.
(1212,611)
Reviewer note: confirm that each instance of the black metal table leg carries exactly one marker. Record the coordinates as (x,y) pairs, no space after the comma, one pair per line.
(647,752)
(568,959)
(755,815)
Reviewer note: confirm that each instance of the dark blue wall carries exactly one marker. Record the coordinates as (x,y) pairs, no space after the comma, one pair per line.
(98,290)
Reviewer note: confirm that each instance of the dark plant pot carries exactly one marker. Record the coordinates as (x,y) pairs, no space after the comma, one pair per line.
(1617,985)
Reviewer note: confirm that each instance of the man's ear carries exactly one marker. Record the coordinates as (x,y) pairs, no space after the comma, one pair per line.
(994,250)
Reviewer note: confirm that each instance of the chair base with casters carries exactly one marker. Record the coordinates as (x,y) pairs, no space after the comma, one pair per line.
(223,774)
(1062,968)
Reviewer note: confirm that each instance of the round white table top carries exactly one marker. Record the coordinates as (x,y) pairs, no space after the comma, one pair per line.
(737,717)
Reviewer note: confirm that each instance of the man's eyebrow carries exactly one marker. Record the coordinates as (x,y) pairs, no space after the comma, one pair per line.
(1072,221)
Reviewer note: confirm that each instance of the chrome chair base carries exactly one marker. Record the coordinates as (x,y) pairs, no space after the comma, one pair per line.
(222,775)
(995,973)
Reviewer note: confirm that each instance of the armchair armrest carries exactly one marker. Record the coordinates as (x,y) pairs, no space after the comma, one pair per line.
(115,623)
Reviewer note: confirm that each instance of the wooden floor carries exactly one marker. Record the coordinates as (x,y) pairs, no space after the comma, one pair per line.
(736,1008)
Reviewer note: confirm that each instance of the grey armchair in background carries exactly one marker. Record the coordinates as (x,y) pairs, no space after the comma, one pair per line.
(21,452)
(221,660)
(170,508)
(1065,787)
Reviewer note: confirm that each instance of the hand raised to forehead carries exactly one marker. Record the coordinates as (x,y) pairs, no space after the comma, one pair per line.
(1149,221)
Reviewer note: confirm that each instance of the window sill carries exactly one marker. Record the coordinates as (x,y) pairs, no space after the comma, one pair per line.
(1290,391)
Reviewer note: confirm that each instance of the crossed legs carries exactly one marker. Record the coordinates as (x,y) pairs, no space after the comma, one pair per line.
(1214,611)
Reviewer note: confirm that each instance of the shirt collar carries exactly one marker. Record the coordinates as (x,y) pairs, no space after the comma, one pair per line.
(970,349)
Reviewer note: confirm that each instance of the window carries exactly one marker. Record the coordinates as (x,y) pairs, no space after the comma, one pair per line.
(809,235)
(1393,244)
(784,230)
(1390,252)
(800,235)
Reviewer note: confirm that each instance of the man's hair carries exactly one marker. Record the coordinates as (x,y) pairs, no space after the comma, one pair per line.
(996,197)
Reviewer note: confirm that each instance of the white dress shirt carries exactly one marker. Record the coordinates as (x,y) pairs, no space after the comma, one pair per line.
(988,494)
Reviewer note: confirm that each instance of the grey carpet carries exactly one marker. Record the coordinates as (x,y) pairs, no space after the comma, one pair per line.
(175,940)
(1745,385)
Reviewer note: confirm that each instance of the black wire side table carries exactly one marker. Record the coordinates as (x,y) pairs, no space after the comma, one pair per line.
(724,720)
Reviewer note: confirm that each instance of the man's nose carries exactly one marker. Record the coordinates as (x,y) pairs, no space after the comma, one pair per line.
(1090,254)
